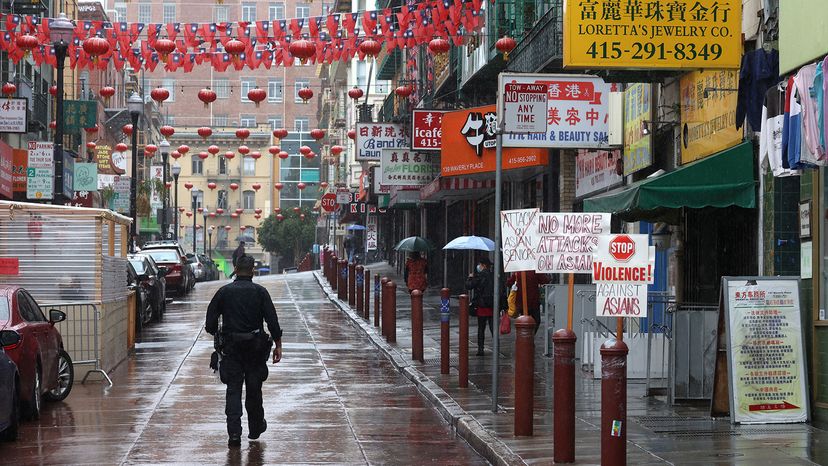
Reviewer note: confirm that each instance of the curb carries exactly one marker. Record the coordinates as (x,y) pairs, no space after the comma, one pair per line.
(466,426)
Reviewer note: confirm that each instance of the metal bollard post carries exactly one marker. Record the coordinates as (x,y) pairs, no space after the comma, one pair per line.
(366,303)
(359,278)
(464,341)
(342,280)
(383,306)
(564,396)
(377,290)
(351,284)
(524,374)
(417,325)
(333,278)
(391,332)
(445,317)
(613,403)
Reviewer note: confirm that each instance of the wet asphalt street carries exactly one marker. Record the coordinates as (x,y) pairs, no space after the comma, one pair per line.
(333,399)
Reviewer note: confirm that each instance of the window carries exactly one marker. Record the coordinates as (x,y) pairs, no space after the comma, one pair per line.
(300,83)
(219,14)
(222,165)
(275,91)
(198,166)
(247,121)
(197,199)
(169,120)
(222,88)
(249,200)
(220,120)
(29,309)
(169,12)
(248,12)
(274,122)
(120,12)
(145,13)
(301,124)
(276,11)
(221,200)
(249,166)
(302,10)
(169,85)
(246,85)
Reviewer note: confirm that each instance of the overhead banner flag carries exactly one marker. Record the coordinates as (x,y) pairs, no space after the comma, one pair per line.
(653,35)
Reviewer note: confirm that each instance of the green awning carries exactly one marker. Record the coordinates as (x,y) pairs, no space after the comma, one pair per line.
(721,180)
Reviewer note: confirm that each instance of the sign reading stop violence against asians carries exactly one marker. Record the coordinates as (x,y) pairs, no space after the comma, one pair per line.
(621,269)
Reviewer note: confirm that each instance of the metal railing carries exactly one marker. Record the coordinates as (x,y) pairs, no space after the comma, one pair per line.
(80,334)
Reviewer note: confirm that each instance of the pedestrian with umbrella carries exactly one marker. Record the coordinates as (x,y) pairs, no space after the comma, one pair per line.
(416,266)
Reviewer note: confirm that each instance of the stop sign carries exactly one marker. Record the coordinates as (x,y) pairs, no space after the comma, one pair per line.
(329,202)
(622,248)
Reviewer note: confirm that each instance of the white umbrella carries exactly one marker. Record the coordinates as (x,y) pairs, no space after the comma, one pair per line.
(479,243)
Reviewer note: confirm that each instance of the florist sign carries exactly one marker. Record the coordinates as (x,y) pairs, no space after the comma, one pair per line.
(407,168)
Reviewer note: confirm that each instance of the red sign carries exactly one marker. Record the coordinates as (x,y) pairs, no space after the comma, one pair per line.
(20,159)
(427,131)
(329,202)
(622,248)
(6,170)
(10,266)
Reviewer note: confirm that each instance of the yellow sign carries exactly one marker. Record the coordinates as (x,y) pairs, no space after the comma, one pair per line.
(637,113)
(670,34)
(708,113)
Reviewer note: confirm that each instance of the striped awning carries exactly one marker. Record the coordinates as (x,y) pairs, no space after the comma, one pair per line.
(455,188)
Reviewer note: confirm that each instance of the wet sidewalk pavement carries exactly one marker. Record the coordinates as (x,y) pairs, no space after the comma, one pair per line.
(657,433)
(334,399)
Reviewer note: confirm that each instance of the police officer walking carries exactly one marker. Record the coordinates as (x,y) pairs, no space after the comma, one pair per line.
(242,306)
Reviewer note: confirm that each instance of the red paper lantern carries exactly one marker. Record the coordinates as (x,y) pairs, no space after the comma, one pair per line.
(305,150)
(205,132)
(336,150)
(95,47)
(403,91)
(150,150)
(277,210)
(280,133)
(127,129)
(244,150)
(91,129)
(207,96)
(370,48)
(227,228)
(256,95)
(505,45)
(239,211)
(183,148)
(203,155)
(189,214)
(256,186)
(302,49)
(211,185)
(219,210)
(323,184)
(106,92)
(234,186)
(164,47)
(242,133)
(258,211)
(283,155)
(352,134)
(200,209)
(280,217)
(302,217)
(229,155)
(213,149)
(188,185)
(53,124)
(91,145)
(181,209)
(310,155)
(234,215)
(255,155)
(355,93)
(257,216)
(305,94)
(26,42)
(167,131)
(278,186)
(234,47)
(175,154)
(296,209)
(274,150)
(168,185)
(301,186)
(212,215)
(121,147)
(9,89)
(159,94)
(53,90)
(439,46)
(317,133)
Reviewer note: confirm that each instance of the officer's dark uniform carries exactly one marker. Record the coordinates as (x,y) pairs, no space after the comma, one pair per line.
(243,306)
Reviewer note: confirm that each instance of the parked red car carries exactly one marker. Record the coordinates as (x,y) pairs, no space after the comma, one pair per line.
(45,368)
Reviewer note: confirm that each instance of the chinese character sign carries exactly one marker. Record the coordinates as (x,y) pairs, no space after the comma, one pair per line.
(372,138)
(13,115)
(21,162)
(402,167)
(637,113)
(79,114)
(156,172)
(708,113)
(577,113)
(427,129)
(595,170)
(662,34)
(371,233)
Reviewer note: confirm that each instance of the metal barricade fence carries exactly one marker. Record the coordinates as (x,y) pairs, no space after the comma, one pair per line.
(81,335)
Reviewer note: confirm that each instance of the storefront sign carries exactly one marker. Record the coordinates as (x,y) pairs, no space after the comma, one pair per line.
(550,242)
(86,177)
(68,175)
(13,115)
(120,202)
(766,357)
(6,170)
(157,173)
(638,116)
(79,114)
(595,170)
(621,270)
(119,162)
(20,160)
(652,35)
(805,219)
(371,233)
(372,138)
(343,195)
(10,266)
(708,113)
(427,129)
(806,264)
(470,133)
(577,112)
(103,156)
(523,105)
(402,167)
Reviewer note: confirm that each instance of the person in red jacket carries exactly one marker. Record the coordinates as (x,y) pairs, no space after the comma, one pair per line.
(533,283)
(416,273)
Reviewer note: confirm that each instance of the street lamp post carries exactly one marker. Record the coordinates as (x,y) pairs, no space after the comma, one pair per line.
(60,32)
(195,220)
(164,147)
(204,225)
(210,241)
(176,170)
(135,104)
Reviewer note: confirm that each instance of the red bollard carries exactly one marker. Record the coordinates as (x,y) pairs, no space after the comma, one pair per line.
(417,325)
(524,374)
(614,403)
(391,323)
(366,302)
(383,306)
(464,341)
(342,280)
(445,319)
(351,284)
(564,396)
(359,278)
(333,278)
(325,263)
(377,299)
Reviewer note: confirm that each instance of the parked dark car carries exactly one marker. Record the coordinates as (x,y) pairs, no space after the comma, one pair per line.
(45,368)
(210,267)
(199,271)
(179,275)
(152,278)
(9,390)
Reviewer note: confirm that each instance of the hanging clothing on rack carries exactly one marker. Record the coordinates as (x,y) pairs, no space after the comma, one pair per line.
(811,149)
(770,135)
(759,72)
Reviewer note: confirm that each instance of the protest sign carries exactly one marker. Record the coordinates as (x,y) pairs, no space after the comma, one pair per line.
(621,270)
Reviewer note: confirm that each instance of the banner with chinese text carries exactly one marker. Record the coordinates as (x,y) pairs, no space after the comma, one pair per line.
(638,152)
(708,113)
